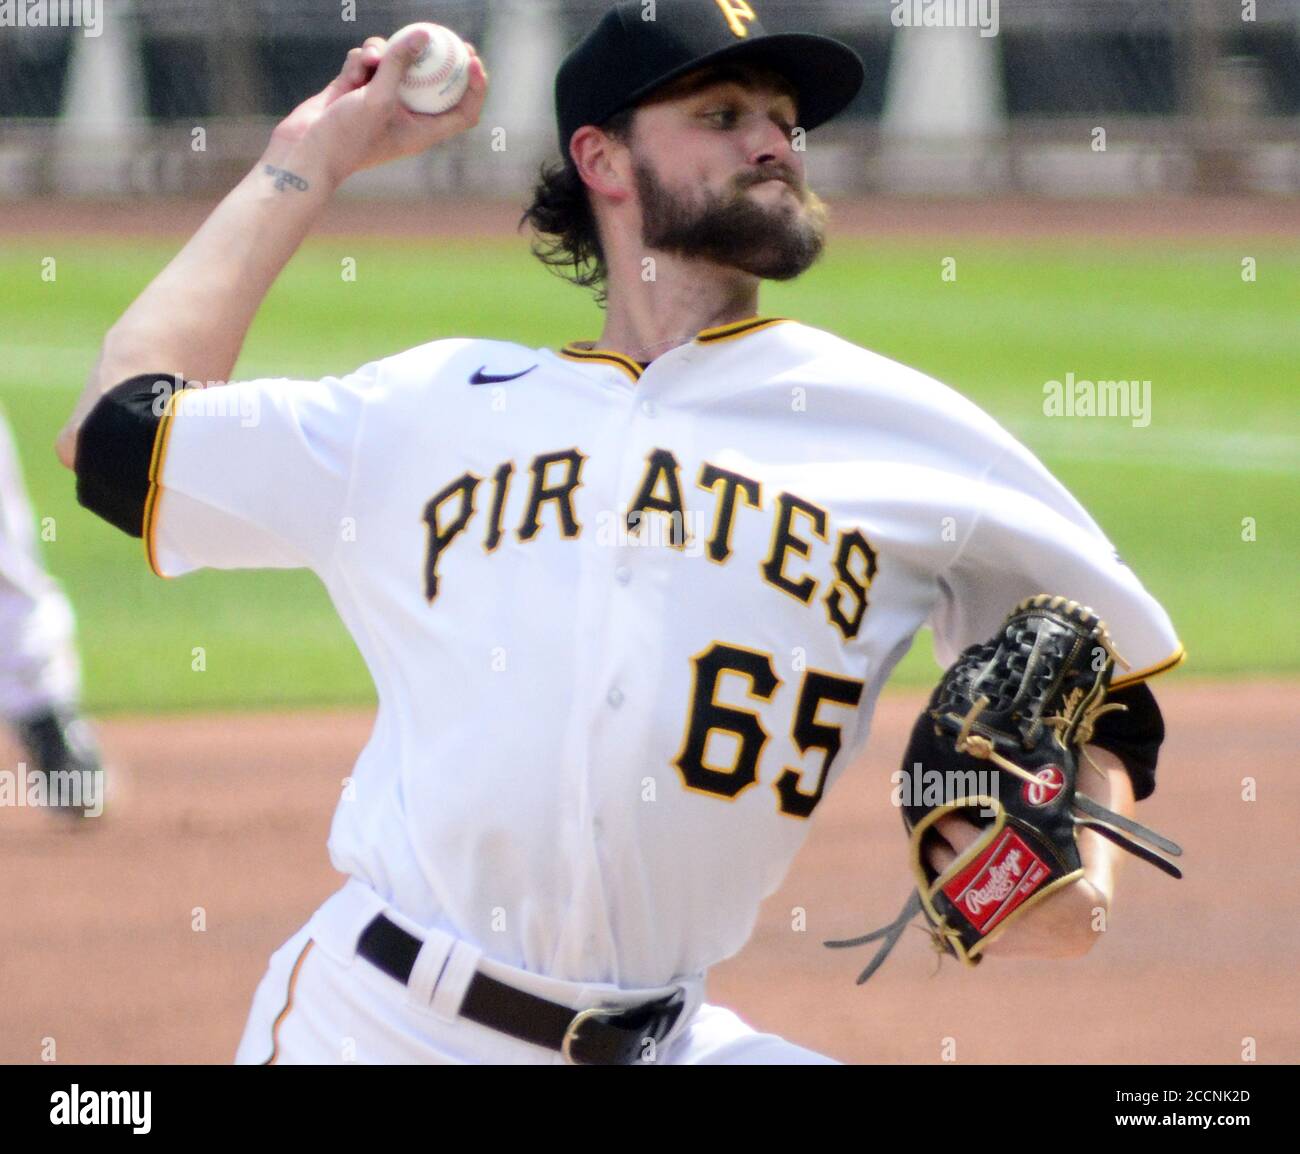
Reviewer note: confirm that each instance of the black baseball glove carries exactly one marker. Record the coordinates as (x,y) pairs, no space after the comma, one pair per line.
(1002,744)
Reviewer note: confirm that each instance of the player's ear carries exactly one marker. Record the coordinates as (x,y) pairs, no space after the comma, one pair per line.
(603,162)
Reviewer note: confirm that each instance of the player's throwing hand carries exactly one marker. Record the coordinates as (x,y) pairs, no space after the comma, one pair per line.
(358,121)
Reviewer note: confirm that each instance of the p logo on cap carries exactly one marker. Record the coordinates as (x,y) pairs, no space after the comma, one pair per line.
(739,16)
(637,48)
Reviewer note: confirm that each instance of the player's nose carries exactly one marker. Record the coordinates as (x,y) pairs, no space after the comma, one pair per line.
(771,143)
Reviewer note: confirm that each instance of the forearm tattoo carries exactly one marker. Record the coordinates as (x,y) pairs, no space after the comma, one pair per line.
(286,179)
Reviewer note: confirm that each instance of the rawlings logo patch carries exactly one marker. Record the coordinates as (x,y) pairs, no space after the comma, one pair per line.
(995,884)
(1050,783)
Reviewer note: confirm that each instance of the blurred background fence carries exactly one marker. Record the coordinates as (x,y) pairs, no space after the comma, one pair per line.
(1047,97)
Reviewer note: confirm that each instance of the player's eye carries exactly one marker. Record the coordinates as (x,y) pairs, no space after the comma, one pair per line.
(723,117)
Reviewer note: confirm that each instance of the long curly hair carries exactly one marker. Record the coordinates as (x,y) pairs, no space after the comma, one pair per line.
(566,239)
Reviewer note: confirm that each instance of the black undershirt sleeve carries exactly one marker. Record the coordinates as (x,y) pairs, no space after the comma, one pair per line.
(1133,735)
(115,447)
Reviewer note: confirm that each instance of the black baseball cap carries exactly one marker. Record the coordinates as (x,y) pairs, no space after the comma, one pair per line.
(641,45)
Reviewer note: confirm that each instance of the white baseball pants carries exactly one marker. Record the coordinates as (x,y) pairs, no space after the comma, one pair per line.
(320,1004)
(39,669)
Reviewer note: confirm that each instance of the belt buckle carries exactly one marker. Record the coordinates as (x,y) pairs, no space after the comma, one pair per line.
(663,1019)
(579,1019)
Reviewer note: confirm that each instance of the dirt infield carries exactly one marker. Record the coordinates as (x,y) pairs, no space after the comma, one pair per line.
(228,815)
(1204,218)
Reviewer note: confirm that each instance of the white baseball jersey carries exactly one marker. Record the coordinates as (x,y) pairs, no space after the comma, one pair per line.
(626,626)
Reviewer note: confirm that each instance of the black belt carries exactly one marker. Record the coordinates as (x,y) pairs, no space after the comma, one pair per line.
(601,1036)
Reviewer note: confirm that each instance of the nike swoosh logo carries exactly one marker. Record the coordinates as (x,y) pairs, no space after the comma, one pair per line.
(485,378)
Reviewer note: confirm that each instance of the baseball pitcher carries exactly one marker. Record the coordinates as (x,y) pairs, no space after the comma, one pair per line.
(628,603)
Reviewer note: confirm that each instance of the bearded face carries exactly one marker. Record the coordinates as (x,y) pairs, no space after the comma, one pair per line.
(767,223)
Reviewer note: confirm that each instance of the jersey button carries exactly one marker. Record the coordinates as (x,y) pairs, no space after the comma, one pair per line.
(649,409)
(615,697)
(622,574)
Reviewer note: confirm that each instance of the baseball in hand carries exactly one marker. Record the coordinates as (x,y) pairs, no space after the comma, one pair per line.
(438,79)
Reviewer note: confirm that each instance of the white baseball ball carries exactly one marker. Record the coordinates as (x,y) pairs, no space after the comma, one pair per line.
(438,79)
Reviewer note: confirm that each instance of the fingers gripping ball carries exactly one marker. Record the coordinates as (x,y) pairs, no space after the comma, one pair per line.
(1002,745)
(437,80)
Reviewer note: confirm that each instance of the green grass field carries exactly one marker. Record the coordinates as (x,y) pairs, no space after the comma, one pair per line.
(1222,356)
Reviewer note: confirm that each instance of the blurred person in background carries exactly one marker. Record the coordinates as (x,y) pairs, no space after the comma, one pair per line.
(40,674)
